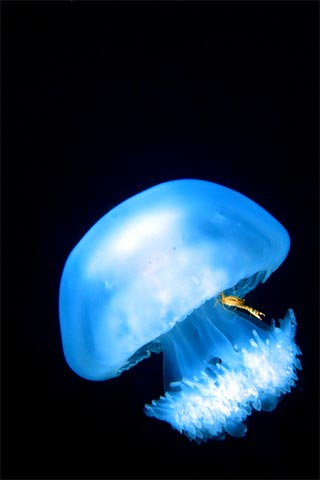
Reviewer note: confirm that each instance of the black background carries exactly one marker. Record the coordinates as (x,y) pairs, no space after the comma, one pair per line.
(101,101)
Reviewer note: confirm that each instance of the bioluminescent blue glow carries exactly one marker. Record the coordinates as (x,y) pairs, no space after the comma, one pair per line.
(148,277)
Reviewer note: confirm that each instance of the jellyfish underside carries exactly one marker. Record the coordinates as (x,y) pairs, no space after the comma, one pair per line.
(220,363)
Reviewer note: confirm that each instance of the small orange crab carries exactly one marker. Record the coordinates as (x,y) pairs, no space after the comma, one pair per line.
(237,302)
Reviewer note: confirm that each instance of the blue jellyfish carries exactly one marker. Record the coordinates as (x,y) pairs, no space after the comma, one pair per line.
(168,270)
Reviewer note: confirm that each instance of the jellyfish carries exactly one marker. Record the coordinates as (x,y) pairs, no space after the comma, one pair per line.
(167,271)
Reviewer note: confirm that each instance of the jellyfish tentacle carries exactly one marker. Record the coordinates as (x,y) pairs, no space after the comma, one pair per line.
(237,302)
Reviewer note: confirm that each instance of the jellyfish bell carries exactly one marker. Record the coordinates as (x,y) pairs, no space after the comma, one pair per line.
(148,277)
